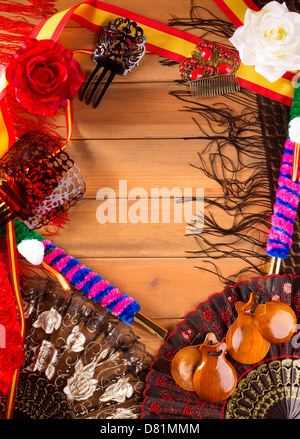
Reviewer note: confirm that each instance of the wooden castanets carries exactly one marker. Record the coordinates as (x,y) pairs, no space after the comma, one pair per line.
(186,361)
(244,342)
(276,321)
(204,369)
(215,378)
(258,325)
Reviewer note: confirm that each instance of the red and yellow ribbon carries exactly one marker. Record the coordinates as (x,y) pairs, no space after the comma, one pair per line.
(14,275)
(59,277)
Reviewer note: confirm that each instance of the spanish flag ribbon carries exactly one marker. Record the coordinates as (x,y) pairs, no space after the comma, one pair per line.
(14,275)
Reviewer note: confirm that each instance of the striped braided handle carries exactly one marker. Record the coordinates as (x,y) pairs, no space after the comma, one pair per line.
(91,284)
(288,191)
(285,207)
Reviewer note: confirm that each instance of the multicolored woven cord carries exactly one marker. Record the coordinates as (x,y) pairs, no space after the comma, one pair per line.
(90,283)
(287,196)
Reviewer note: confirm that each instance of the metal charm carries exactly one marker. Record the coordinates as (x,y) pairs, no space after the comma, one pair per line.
(210,71)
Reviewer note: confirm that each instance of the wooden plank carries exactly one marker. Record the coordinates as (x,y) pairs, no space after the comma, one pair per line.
(162,11)
(165,287)
(145,163)
(138,110)
(151,342)
(85,236)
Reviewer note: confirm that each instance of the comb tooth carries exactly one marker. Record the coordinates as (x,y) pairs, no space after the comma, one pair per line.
(219,87)
(214,86)
(228,85)
(201,89)
(212,90)
(192,89)
(198,90)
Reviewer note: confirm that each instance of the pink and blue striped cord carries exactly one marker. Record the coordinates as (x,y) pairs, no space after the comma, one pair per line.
(285,207)
(91,284)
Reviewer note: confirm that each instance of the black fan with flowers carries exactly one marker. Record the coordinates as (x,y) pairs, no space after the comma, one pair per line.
(80,360)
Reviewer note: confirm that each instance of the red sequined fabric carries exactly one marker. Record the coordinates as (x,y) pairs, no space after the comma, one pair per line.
(30,171)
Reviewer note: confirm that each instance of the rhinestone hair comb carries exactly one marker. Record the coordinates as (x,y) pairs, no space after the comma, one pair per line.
(210,71)
(120,47)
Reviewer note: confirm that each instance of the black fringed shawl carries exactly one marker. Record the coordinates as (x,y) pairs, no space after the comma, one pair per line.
(258,133)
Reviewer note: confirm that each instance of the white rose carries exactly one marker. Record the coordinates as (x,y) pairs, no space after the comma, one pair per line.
(81,385)
(294,130)
(269,40)
(48,321)
(76,340)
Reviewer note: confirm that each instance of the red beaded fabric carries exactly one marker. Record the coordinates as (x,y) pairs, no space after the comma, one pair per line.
(208,60)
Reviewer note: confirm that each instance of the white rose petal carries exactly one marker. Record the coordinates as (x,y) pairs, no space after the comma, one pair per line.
(294,130)
(76,340)
(48,321)
(269,40)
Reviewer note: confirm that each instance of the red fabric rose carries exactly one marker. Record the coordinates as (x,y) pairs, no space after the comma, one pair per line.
(5,382)
(45,75)
(7,316)
(11,359)
(13,339)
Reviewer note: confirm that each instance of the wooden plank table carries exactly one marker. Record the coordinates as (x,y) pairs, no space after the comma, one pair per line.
(138,134)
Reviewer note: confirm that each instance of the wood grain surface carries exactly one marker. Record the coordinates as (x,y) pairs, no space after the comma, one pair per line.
(138,134)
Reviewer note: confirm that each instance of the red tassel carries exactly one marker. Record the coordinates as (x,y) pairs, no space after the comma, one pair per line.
(37,10)
(59,223)
(15,26)
(24,123)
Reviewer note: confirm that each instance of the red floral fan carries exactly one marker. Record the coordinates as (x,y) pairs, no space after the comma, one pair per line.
(268,389)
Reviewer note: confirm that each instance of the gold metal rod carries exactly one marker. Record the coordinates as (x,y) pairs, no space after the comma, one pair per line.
(150,325)
(295,162)
(275,265)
